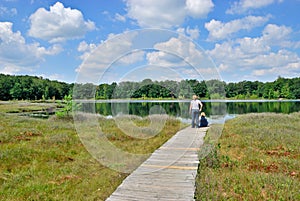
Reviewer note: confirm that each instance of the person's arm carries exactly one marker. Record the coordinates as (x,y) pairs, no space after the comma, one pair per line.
(190,109)
(201,105)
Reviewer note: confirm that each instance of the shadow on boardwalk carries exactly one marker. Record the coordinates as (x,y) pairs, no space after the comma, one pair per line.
(168,174)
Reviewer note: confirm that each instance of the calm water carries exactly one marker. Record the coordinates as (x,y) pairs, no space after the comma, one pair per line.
(225,109)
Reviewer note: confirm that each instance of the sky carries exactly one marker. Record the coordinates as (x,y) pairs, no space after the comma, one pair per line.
(130,40)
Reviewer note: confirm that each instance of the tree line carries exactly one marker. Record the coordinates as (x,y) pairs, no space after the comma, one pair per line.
(24,87)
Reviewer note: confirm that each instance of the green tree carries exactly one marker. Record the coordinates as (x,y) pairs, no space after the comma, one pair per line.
(216,89)
(6,84)
(17,91)
(231,90)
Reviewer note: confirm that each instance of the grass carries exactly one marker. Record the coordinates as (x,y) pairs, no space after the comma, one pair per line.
(138,135)
(256,158)
(24,106)
(44,159)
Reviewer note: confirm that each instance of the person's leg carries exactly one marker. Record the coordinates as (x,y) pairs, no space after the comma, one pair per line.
(197,118)
(193,118)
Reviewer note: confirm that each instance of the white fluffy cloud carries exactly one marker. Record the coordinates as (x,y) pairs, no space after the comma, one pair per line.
(174,50)
(198,8)
(287,69)
(193,33)
(272,35)
(166,13)
(123,54)
(278,59)
(99,59)
(258,56)
(86,49)
(16,54)
(59,24)
(183,55)
(277,35)
(253,45)
(243,6)
(219,30)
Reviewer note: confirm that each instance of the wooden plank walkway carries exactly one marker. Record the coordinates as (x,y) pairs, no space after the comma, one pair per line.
(168,174)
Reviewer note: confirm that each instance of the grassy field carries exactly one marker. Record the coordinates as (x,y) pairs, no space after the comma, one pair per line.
(43,159)
(256,158)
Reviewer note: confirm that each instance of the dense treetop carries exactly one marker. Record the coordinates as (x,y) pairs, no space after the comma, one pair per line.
(37,88)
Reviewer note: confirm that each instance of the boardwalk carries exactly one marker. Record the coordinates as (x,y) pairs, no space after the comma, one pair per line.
(168,174)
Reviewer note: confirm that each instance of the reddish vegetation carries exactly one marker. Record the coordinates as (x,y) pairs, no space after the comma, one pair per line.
(27,135)
(263,168)
(64,179)
(271,168)
(279,151)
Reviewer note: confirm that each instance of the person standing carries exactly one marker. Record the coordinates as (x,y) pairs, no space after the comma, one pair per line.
(195,108)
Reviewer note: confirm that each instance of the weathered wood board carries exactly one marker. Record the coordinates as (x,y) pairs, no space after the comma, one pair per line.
(168,174)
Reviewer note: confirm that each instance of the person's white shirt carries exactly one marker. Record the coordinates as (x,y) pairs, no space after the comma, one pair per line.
(195,104)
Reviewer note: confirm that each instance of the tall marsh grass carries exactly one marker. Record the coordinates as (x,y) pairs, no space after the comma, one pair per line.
(44,159)
(256,158)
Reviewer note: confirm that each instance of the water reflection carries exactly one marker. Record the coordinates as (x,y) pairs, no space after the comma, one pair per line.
(180,109)
(259,107)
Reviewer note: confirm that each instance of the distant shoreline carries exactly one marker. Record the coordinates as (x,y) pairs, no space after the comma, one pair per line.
(183,100)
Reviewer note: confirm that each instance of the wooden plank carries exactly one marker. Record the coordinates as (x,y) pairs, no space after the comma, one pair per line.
(168,174)
(172,167)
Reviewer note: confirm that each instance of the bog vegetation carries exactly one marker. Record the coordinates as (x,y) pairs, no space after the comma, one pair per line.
(256,158)
(37,88)
(43,159)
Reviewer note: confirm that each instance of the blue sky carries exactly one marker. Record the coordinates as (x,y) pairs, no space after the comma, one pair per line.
(119,40)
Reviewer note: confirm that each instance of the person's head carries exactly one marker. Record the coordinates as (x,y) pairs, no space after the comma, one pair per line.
(195,97)
(202,114)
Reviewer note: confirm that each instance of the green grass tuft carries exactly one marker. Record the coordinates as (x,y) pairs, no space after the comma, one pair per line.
(256,158)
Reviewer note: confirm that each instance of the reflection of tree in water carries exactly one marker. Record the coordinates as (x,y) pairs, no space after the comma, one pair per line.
(180,109)
(259,107)
(142,109)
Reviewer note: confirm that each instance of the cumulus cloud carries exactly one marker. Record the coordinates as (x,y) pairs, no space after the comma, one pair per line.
(219,30)
(16,54)
(166,13)
(131,57)
(86,49)
(181,53)
(198,8)
(58,24)
(173,50)
(257,55)
(253,45)
(124,53)
(291,69)
(98,59)
(277,35)
(265,66)
(278,60)
(164,59)
(243,6)
(193,33)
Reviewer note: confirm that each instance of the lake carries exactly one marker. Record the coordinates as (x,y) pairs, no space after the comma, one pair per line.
(214,109)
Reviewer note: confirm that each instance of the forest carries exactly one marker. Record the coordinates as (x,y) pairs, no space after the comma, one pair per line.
(25,87)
